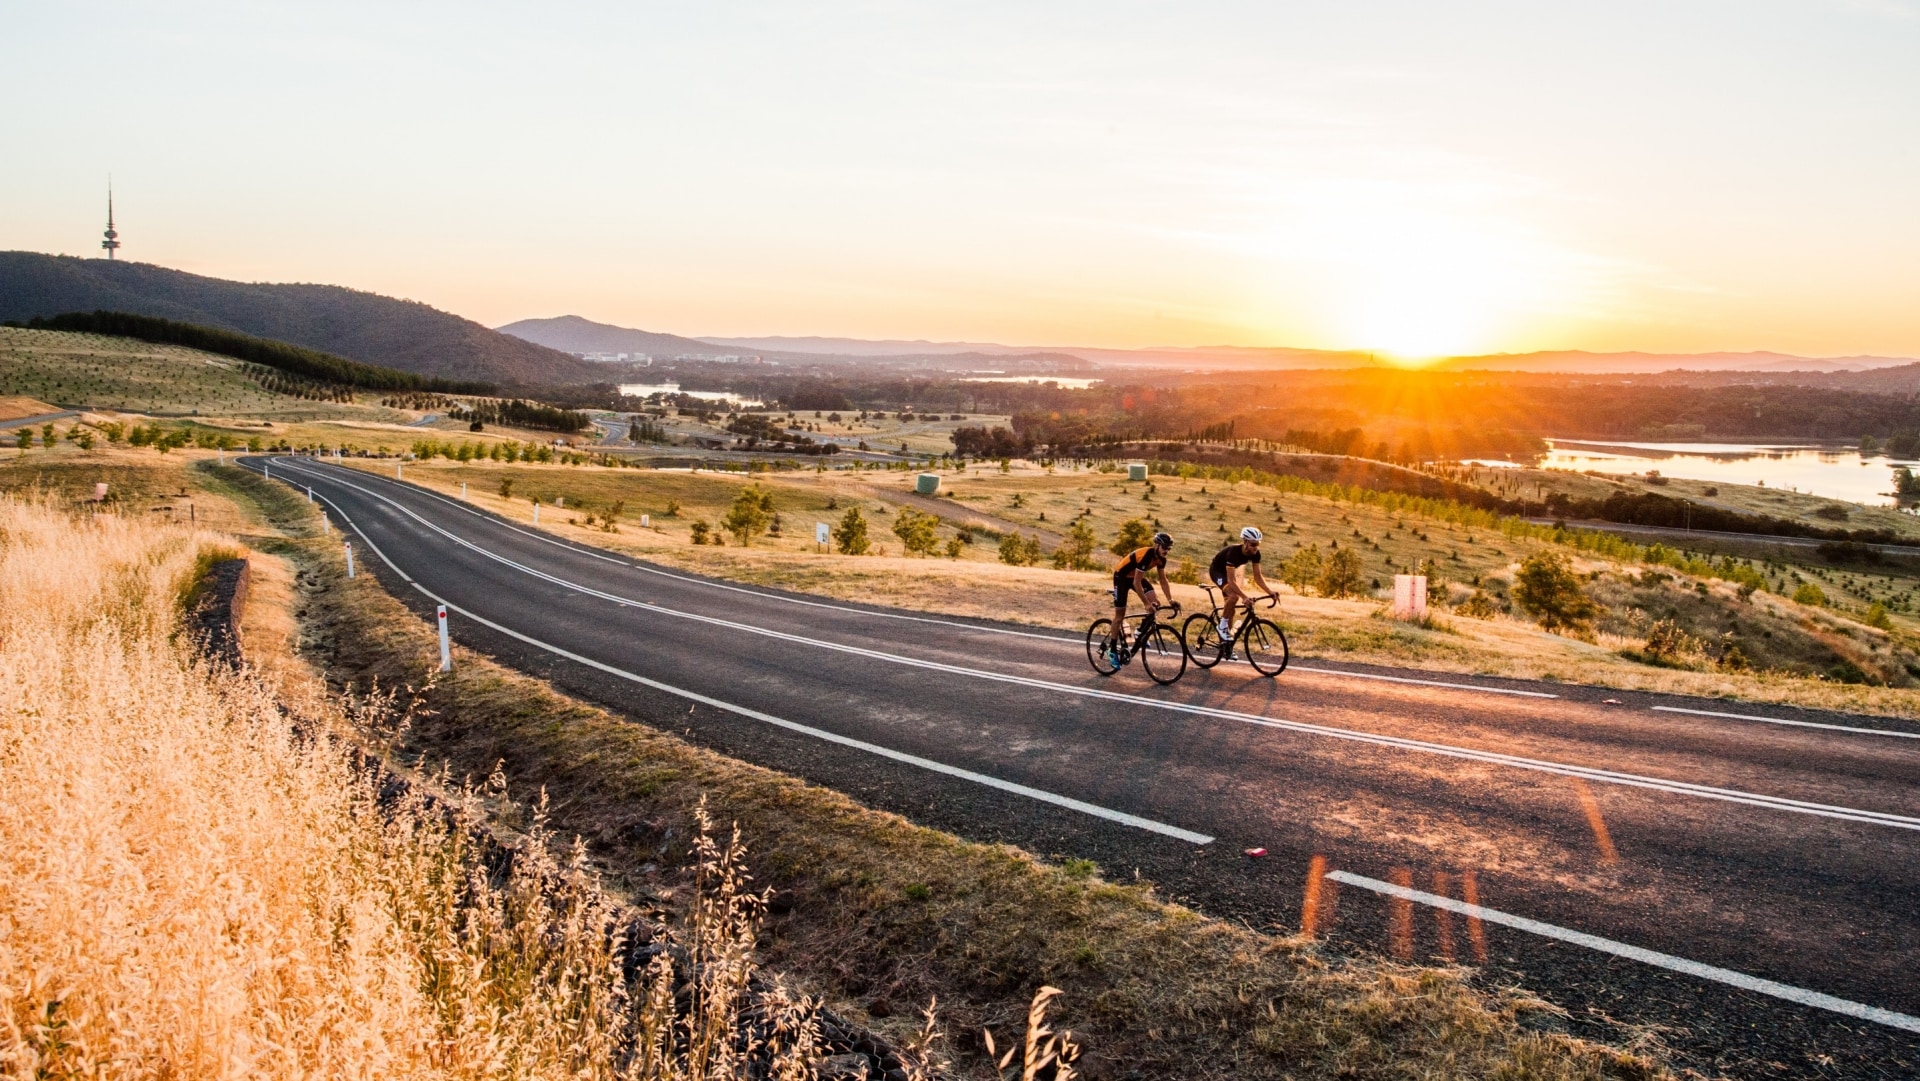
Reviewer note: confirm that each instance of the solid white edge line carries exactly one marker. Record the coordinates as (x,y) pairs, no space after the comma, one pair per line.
(1041,795)
(1783,720)
(1790,993)
(1752,799)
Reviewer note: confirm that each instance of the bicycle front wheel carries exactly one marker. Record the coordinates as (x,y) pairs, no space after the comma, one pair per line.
(1163,655)
(1265,645)
(1097,647)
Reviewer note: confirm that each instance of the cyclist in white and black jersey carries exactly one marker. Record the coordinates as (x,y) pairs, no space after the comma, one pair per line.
(1225,570)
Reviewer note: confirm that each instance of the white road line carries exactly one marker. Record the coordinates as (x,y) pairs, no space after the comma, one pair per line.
(582,550)
(929,764)
(1783,720)
(1790,993)
(1751,799)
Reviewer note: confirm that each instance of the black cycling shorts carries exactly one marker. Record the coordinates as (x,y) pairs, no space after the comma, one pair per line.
(1122,585)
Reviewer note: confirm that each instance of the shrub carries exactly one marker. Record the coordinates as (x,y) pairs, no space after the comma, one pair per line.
(673,509)
(1482,605)
(850,536)
(1302,569)
(1547,589)
(1340,576)
(1877,617)
(1076,552)
(1134,533)
(954,548)
(700,531)
(1810,595)
(751,513)
(918,533)
(1666,641)
(1186,574)
(1019,551)
(506,487)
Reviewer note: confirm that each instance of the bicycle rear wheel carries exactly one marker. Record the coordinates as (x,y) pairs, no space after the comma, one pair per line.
(1097,647)
(1202,636)
(1265,645)
(1163,655)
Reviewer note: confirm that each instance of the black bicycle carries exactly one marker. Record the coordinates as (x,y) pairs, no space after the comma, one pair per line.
(1157,645)
(1260,641)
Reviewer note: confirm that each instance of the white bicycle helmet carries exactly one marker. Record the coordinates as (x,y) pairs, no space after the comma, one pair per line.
(1250,534)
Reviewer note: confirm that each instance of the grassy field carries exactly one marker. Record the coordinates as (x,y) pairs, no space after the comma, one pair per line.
(882,432)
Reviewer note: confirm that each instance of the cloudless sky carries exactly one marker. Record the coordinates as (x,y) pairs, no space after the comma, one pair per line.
(1414,178)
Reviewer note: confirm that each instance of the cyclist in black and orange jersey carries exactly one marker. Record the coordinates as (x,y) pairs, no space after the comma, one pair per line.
(1130,576)
(1225,571)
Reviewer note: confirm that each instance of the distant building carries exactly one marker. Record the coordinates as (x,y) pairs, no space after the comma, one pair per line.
(112,243)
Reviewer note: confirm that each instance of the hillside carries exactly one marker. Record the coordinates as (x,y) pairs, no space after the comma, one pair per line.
(573,334)
(367,327)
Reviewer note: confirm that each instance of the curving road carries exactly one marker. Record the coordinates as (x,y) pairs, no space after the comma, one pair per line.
(1742,879)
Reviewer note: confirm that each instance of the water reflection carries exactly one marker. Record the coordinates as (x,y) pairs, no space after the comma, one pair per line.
(1823,471)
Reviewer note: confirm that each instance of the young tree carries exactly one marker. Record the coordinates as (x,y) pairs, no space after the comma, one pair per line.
(752,510)
(1810,595)
(1076,552)
(1302,569)
(700,531)
(506,487)
(850,536)
(1134,533)
(917,532)
(1340,576)
(1547,588)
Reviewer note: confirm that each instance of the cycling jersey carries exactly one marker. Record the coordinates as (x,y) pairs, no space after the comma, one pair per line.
(1233,555)
(1145,560)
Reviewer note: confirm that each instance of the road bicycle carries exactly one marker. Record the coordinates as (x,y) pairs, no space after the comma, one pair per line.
(1157,645)
(1260,641)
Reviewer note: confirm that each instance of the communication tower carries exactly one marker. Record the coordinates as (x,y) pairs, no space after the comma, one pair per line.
(112,243)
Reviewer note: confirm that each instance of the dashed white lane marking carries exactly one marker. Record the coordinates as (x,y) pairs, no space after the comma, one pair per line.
(1783,720)
(1790,993)
(983,629)
(1751,799)
(1097,811)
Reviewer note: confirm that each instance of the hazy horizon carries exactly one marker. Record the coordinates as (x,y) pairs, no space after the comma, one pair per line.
(1401,179)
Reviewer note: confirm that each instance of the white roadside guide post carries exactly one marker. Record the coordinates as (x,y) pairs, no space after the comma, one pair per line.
(326,526)
(536,512)
(646,521)
(446,651)
(349,559)
(100,492)
(1409,596)
(309,495)
(396,471)
(820,534)
(266,469)
(463,489)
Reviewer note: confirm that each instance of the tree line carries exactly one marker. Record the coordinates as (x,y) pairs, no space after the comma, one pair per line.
(293,359)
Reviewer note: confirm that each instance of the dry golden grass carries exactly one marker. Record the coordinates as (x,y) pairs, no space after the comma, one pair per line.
(196,884)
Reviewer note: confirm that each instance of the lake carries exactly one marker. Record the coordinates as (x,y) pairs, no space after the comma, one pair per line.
(1822,471)
(646,390)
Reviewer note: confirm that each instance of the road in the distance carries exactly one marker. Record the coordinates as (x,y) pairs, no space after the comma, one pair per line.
(1784,852)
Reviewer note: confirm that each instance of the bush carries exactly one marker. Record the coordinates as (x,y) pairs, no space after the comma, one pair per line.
(1482,605)
(700,531)
(1134,533)
(1076,552)
(1340,576)
(1666,641)
(1302,569)
(850,536)
(751,513)
(1877,617)
(1186,574)
(1019,551)
(918,533)
(1810,595)
(1547,589)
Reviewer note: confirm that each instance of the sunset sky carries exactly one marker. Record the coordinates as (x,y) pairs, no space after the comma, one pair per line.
(1413,178)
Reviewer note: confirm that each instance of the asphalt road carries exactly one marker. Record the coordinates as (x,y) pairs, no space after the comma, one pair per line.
(1766,867)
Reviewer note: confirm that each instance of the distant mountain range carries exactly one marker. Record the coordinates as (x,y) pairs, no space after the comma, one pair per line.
(367,327)
(587,336)
(572,334)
